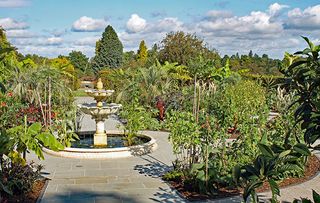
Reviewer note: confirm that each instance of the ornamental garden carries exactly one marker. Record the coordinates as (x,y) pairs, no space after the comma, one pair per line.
(237,125)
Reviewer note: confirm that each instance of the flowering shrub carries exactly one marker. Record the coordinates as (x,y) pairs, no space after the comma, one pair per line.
(9,108)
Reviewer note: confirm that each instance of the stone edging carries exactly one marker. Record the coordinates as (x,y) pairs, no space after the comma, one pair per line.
(43,190)
(109,153)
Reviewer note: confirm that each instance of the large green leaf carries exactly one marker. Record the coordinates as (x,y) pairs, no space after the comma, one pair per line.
(236,172)
(302,149)
(284,153)
(35,128)
(251,188)
(266,150)
(274,187)
(48,140)
(316,197)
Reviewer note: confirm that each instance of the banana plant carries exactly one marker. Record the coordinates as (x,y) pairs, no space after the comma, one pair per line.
(268,166)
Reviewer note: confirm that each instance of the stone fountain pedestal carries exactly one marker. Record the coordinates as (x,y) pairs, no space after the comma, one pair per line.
(100,137)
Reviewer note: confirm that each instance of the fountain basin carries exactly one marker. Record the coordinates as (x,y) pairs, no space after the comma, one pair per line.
(99,93)
(105,110)
(108,153)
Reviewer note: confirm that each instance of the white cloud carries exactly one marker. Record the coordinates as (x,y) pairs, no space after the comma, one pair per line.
(166,25)
(53,41)
(136,23)
(308,18)
(11,24)
(13,3)
(87,41)
(39,41)
(214,14)
(274,9)
(257,22)
(87,24)
(20,34)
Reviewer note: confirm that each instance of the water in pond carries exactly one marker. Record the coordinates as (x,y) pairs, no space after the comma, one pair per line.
(86,141)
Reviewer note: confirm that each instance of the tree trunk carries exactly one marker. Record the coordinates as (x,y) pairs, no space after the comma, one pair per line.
(40,103)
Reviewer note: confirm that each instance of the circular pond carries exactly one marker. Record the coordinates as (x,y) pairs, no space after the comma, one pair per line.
(116,148)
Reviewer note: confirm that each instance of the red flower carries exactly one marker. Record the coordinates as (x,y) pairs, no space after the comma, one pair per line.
(3,104)
(10,94)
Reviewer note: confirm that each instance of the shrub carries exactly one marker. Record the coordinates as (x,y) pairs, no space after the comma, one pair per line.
(17,178)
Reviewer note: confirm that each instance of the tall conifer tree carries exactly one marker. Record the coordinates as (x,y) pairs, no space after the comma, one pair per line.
(109,51)
(142,52)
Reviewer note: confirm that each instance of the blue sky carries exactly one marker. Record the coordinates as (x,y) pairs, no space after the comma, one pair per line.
(53,27)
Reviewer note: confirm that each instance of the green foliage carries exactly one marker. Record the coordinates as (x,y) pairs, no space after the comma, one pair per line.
(10,106)
(64,65)
(39,60)
(181,48)
(109,51)
(176,72)
(256,65)
(269,166)
(24,137)
(17,178)
(184,136)
(241,102)
(66,129)
(79,60)
(303,76)
(142,54)
(8,58)
(137,119)
(173,175)
(143,85)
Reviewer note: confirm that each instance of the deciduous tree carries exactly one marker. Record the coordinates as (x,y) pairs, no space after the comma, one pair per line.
(181,48)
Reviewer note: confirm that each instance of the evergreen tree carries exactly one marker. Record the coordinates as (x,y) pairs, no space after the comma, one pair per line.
(250,54)
(237,56)
(152,55)
(142,52)
(109,51)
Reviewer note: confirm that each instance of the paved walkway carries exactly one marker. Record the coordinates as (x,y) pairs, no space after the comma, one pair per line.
(135,179)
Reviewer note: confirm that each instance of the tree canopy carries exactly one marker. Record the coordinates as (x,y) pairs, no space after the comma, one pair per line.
(78,60)
(181,48)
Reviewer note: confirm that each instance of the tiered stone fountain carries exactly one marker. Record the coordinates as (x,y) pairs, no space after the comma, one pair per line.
(100,112)
(99,148)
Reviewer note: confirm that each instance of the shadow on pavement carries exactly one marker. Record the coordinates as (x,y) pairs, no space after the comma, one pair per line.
(155,168)
(80,196)
(166,195)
